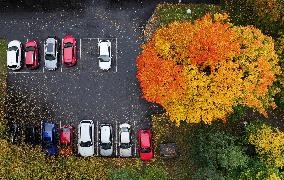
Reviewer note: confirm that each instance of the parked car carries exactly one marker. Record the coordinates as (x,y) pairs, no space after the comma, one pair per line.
(14,55)
(145,145)
(49,138)
(86,138)
(15,131)
(104,54)
(125,149)
(51,53)
(69,51)
(106,147)
(66,140)
(31,54)
(32,135)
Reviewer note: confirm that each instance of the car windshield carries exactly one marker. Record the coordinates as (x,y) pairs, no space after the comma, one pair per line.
(12,66)
(67,45)
(124,129)
(145,150)
(13,48)
(104,58)
(125,145)
(29,48)
(86,144)
(49,57)
(106,146)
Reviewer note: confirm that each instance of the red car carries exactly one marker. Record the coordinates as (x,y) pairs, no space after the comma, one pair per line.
(66,140)
(31,54)
(145,145)
(69,51)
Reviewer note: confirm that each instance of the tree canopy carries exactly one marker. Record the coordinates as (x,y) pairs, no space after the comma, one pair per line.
(199,71)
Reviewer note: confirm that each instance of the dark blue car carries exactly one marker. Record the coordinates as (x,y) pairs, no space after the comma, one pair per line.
(49,138)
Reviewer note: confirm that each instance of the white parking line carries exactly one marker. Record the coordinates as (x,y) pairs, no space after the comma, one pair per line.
(97,138)
(116,138)
(80,48)
(61,55)
(135,140)
(24,72)
(116,54)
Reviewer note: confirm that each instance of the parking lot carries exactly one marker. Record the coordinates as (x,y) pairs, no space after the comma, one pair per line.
(69,95)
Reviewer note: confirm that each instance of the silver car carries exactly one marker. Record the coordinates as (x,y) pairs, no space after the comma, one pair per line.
(51,53)
(125,140)
(106,146)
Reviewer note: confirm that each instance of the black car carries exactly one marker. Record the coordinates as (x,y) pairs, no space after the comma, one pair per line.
(15,131)
(32,135)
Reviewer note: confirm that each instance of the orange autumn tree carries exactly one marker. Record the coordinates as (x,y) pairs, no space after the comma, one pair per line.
(199,71)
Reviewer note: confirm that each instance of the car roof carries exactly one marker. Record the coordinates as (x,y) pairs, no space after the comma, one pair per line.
(29,57)
(145,139)
(105,133)
(104,48)
(85,131)
(11,57)
(68,54)
(125,137)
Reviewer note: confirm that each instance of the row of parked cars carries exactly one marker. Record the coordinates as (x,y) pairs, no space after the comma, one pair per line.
(47,137)
(30,51)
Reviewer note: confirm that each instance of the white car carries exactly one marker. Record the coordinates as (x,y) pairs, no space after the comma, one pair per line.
(14,55)
(86,138)
(125,140)
(104,54)
(106,147)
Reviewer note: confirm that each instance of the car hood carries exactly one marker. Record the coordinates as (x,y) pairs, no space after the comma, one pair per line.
(105,65)
(106,152)
(50,64)
(86,151)
(125,152)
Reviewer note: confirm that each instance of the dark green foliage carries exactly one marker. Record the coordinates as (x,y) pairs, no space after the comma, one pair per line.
(217,151)
(153,173)
(122,174)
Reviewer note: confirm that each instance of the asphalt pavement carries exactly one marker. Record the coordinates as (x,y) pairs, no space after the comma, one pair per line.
(83,92)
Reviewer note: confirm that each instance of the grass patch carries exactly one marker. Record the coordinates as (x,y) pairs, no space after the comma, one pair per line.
(166,13)
(166,132)
(3,84)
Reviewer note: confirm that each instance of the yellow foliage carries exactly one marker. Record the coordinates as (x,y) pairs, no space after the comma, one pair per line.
(269,145)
